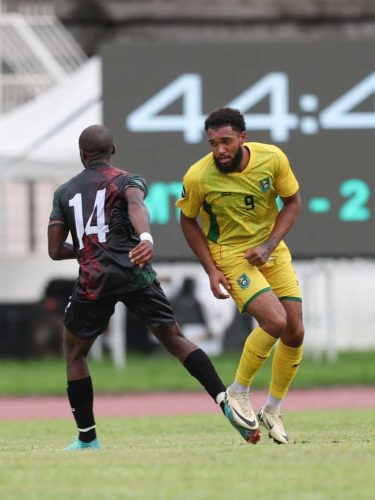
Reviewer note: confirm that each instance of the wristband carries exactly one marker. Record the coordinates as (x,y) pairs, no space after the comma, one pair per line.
(146,236)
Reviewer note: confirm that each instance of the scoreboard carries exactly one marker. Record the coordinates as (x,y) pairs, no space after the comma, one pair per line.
(316,101)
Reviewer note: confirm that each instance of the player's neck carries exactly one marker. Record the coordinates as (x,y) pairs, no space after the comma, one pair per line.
(245,158)
(95,163)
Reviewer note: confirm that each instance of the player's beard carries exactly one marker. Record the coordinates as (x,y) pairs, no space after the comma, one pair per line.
(235,164)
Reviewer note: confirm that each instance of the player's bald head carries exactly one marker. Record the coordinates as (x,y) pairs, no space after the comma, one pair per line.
(96,145)
(96,139)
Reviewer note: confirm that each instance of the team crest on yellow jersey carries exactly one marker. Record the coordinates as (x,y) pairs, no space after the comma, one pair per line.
(265,184)
(243,281)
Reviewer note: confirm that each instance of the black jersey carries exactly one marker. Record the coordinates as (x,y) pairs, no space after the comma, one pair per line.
(93,206)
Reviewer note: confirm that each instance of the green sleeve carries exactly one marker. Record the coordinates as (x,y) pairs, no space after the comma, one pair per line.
(57,214)
(136,181)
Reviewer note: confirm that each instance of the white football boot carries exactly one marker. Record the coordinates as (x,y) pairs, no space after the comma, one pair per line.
(242,410)
(272,421)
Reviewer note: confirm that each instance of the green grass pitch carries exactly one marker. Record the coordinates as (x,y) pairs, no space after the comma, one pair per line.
(331,456)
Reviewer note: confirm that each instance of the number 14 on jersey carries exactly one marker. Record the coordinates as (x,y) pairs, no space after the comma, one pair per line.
(101,228)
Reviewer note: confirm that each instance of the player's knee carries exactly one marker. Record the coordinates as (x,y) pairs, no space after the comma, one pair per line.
(74,352)
(299,333)
(294,334)
(274,324)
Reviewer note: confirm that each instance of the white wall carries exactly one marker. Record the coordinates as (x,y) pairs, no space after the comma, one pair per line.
(339,303)
(23,279)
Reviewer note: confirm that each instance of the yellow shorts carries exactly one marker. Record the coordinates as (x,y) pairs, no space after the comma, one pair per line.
(247,281)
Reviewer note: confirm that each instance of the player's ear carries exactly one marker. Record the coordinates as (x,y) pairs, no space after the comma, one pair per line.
(113,149)
(243,136)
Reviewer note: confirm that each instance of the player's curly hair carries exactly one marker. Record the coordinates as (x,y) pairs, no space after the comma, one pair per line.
(225,116)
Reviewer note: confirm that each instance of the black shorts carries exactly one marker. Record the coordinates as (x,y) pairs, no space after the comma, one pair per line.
(89,318)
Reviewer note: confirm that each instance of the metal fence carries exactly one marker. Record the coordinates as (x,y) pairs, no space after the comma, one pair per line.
(36,52)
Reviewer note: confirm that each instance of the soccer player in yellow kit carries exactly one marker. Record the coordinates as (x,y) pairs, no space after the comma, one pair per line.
(239,242)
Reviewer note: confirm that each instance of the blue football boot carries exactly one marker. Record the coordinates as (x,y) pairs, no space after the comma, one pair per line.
(77,444)
(251,436)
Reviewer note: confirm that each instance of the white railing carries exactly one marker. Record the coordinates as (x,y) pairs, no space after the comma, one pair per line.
(36,52)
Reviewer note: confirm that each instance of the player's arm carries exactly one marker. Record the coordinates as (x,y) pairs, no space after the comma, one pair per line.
(58,231)
(198,243)
(58,248)
(140,220)
(285,219)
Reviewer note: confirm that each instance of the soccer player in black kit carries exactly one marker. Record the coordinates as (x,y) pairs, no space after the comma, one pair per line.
(103,209)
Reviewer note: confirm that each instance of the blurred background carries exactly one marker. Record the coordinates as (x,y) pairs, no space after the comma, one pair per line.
(302,72)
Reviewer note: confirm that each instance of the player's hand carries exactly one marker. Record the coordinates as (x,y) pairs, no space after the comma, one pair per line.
(259,255)
(142,253)
(219,284)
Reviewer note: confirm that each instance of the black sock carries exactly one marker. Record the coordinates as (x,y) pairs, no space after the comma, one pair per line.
(199,365)
(81,398)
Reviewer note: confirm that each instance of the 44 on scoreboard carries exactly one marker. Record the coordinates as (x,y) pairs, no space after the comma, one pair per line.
(342,113)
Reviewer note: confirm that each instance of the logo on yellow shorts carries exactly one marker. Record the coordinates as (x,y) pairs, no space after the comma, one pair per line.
(243,281)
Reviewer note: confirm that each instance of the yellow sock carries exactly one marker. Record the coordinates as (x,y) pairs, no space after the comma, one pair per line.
(285,363)
(256,350)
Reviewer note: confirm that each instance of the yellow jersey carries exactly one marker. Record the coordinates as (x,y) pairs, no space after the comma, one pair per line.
(238,208)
